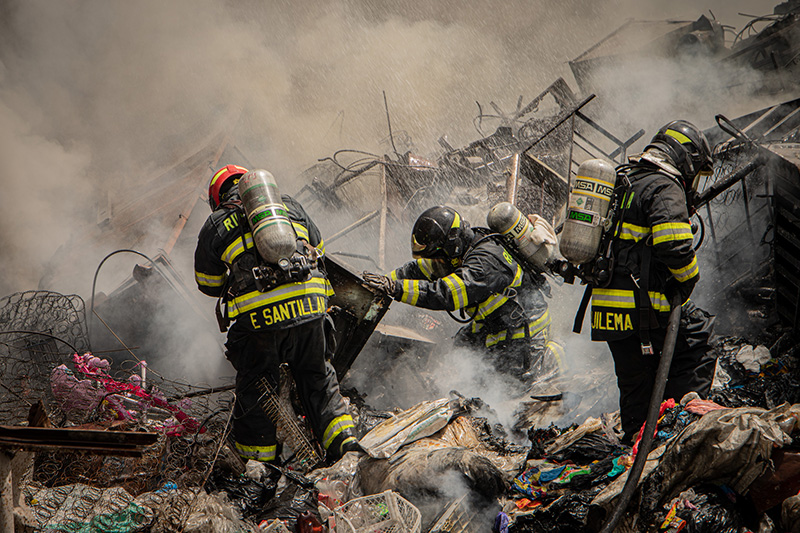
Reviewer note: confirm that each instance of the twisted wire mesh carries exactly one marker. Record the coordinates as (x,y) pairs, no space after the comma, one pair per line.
(727,160)
(72,488)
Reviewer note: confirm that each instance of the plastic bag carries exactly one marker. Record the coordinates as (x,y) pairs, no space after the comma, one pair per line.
(248,494)
(296,494)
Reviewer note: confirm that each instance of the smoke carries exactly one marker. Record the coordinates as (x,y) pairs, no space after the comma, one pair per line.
(97,97)
(128,88)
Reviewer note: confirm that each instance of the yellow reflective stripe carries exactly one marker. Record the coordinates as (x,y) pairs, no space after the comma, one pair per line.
(600,196)
(630,200)
(393,275)
(456,221)
(218,174)
(410,291)
(625,299)
(489,306)
(345,441)
(683,139)
(336,426)
(659,301)
(632,232)
(612,292)
(209,280)
(475,326)
(458,289)
(687,272)
(558,354)
(321,245)
(495,338)
(536,326)
(316,286)
(257,453)
(235,248)
(672,231)
(300,230)
(540,323)
(426,267)
(619,298)
(494,302)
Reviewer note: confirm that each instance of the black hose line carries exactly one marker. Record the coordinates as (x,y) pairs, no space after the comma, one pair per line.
(94,283)
(652,416)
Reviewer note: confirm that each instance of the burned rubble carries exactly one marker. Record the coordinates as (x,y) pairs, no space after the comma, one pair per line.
(97,436)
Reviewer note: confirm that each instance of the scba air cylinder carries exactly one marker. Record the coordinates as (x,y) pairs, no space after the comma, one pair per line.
(587,207)
(509,221)
(272,230)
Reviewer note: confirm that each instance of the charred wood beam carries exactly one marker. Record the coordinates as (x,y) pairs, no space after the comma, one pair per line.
(183,216)
(125,443)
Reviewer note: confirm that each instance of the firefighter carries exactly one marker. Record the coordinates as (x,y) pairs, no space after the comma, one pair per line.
(285,324)
(459,268)
(654,260)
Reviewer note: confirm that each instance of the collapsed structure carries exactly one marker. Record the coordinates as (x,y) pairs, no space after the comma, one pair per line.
(116,440)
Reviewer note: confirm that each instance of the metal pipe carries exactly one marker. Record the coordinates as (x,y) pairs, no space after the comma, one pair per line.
(571,145)
(353,226)
(659,385)
(382,225)
(511,181)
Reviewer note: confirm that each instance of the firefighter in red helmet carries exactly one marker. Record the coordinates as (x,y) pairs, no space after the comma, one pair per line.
(259,339)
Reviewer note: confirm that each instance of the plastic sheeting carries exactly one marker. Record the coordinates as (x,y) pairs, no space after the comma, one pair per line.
(726,446)
(420,421)
(434,470)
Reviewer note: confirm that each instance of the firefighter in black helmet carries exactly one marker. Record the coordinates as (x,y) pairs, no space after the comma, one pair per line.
(282,324)
(459,268)
(654,260)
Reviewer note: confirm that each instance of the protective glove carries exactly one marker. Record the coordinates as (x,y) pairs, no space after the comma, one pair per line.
(682,289)
(382,283)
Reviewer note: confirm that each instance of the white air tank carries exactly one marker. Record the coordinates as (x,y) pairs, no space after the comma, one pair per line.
(509,221)
(589,197)
(272,230)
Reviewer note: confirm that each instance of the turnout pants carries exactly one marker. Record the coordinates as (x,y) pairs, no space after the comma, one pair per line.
(692,368)
(258,354)
(524,354)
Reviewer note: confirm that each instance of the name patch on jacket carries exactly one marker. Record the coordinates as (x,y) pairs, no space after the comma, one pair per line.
(611,321)
(287,312)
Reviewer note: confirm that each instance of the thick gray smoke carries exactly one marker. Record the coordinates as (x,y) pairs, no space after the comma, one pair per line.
(96,96)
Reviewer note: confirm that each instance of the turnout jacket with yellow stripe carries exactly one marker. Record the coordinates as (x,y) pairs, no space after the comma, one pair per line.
(655,215)
(488,285)
(221,250)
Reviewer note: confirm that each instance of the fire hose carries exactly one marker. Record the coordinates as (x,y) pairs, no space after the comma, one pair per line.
(662,373)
